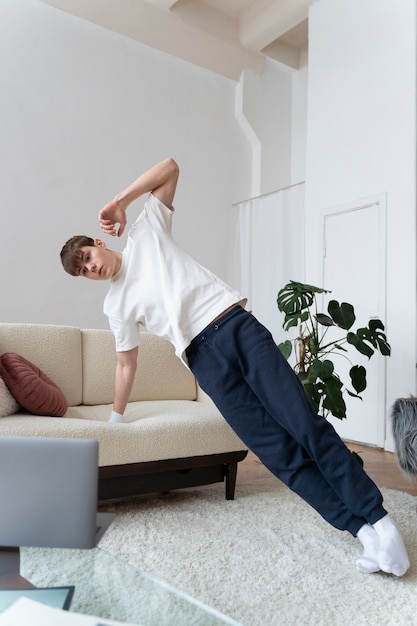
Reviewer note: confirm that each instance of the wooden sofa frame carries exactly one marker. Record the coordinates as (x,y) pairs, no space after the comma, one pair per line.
(134,479)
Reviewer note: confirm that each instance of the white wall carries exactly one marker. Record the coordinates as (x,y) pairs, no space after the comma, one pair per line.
(361,141)
(299,111)
(272,108)
(82,112)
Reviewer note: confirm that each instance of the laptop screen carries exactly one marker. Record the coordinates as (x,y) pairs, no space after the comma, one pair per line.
(48,492)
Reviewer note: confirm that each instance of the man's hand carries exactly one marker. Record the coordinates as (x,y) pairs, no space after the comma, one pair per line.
(161,179)
(110,216)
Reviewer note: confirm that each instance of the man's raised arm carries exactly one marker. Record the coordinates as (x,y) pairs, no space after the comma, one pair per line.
(161,179)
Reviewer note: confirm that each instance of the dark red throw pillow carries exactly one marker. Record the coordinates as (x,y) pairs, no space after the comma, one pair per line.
(32,389)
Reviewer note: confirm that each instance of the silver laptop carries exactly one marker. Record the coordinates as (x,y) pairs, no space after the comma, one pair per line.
(48,493)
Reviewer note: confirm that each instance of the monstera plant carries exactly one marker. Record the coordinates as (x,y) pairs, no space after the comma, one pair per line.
(315,347)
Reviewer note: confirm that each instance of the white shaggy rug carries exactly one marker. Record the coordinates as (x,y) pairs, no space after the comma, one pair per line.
(266,558)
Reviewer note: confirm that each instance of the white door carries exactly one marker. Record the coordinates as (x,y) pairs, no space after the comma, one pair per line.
(354,270)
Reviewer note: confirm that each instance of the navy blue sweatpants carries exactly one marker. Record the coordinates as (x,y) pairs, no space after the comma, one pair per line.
(237,363)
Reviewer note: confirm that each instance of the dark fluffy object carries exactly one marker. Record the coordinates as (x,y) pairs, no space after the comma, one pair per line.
(404,428)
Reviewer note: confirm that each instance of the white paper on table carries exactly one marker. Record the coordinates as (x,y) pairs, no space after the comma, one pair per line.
(26,612)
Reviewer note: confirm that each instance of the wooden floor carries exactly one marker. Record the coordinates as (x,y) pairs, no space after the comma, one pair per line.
(380,465)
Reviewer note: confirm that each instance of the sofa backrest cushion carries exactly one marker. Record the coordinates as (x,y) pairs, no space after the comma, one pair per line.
(160,374)
(56,350)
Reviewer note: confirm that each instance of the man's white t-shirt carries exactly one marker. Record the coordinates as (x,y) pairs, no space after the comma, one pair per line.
(160,288)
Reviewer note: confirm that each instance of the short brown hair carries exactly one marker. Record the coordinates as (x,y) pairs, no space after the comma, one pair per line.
(71,254)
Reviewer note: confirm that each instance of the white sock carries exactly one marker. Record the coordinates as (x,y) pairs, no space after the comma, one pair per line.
(116,418)
(368,563)
(392,554)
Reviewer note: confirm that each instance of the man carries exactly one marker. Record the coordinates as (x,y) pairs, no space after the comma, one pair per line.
(155,285)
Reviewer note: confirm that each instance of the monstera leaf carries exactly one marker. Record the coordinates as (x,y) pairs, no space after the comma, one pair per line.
(364,338)
(293,299)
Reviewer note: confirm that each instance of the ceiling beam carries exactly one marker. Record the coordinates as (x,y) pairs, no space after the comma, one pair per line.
(165,31)
(267,20)
(163,4)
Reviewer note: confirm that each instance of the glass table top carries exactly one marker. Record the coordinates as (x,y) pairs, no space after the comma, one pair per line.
(109,588)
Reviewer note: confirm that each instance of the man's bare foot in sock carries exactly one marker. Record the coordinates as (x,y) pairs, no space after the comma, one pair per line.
(368,562)
(383,549)
(392,554)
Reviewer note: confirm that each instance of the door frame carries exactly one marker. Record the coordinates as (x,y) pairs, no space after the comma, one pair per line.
(380,200)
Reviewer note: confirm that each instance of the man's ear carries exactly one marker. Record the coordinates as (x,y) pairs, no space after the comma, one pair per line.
(99,243)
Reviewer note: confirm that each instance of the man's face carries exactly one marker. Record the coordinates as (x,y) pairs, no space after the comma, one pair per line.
(97,262)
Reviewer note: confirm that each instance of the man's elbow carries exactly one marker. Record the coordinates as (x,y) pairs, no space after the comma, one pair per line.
(128,360)
(173,167)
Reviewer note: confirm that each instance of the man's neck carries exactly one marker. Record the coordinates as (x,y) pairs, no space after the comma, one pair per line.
(118,262)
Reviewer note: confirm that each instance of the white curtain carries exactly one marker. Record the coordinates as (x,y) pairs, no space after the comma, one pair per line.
(270,251)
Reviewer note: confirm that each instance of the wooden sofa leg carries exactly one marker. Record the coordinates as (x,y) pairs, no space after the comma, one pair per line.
(230,473)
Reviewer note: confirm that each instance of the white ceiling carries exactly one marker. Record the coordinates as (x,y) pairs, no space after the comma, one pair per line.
(224,36)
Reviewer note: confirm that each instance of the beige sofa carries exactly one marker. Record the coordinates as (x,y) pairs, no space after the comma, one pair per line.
(172,437)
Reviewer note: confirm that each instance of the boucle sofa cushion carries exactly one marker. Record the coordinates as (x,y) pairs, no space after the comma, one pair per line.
(31,387)
(160,374)
(56,350)
(8,403)
(153,431)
